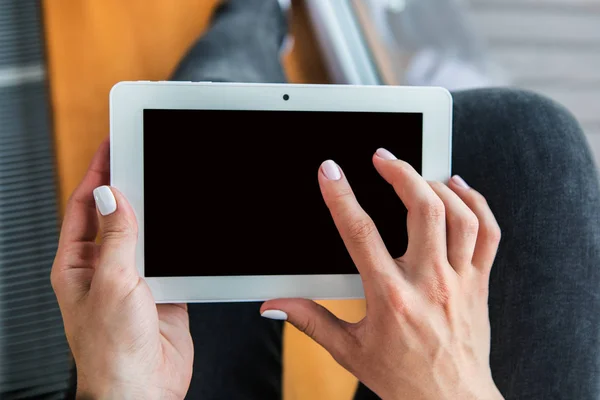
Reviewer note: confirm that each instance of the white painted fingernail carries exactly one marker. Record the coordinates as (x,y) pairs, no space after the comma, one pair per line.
(275,314)
(385,154)
(460,182)
(105,200)
(331,170)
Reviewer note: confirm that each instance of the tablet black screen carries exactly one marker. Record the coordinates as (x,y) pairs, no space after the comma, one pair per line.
(235,192)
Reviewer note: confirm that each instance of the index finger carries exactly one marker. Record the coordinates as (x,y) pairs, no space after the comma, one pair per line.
(357,229)
(80,223)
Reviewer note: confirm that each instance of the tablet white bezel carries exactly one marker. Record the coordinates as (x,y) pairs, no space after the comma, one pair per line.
(129,99)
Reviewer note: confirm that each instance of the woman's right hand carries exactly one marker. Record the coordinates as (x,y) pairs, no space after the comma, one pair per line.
(426,334)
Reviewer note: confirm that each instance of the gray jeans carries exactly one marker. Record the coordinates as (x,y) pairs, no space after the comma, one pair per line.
(525,154)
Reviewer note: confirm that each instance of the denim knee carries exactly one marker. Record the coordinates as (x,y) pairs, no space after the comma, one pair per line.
(525,133)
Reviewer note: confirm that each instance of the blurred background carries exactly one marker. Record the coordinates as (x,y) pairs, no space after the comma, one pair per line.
(59,59)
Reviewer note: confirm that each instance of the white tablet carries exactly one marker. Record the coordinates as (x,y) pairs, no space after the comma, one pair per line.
(223,180)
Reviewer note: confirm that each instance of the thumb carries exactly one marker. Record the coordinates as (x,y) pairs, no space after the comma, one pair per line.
(118,234)
(314,320)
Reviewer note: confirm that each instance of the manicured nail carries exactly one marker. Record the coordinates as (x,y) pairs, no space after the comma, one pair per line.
(105,200)
(385,154)
(460,182)
(331,170)
(275,314)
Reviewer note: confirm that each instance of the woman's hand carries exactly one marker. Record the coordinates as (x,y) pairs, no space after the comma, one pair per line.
(426,334)
(125,346)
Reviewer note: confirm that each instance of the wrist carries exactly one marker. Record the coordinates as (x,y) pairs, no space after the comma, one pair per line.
(124,393)
(119,390)
(491,393)
(494,394)
(485,392)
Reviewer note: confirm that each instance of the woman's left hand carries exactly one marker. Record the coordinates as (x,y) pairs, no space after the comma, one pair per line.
(125,346)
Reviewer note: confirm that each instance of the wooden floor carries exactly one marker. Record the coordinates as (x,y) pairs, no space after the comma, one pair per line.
(549,46)
(94,44)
